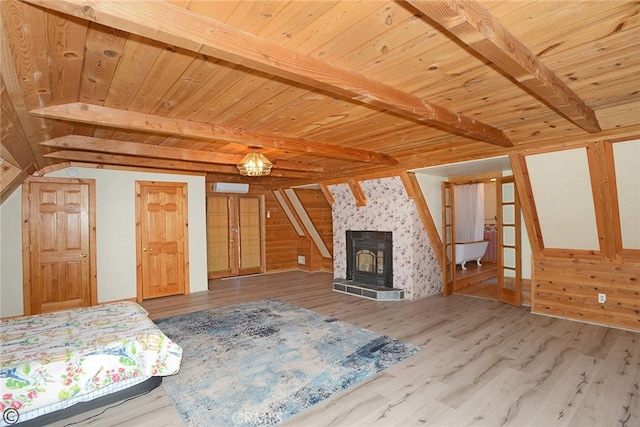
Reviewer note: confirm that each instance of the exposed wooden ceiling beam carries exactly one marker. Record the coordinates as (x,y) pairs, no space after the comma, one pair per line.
(478,29)
(123,119)
(87,143)
(14,107)
(11,177)
(155,163)
(162,21)
(14,143)
(358,192)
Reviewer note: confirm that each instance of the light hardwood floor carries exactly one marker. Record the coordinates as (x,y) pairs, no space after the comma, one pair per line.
(483,363)
(477,281)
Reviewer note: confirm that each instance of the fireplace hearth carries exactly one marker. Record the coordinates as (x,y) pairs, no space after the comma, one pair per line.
(369,266)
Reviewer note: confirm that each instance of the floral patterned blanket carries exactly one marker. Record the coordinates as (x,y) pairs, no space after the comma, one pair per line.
(56,356)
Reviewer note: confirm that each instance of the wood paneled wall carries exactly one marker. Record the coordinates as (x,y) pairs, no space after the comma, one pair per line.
(319,211)
(281,238)
(569,288)
(314,261)
(283,245)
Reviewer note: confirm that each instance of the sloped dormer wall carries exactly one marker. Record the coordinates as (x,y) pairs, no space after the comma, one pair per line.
(581,205)
(388,208)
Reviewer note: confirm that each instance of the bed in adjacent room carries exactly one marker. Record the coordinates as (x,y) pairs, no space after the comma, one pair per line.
(74,359)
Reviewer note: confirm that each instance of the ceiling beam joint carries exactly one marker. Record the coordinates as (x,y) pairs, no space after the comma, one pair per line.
(472,23)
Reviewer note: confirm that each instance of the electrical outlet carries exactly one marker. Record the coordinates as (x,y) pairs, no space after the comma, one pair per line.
(602,298)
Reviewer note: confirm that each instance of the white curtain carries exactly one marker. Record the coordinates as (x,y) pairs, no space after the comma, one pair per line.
(469,212)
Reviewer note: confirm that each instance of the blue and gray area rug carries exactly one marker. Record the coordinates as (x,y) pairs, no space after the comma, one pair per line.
(262,362)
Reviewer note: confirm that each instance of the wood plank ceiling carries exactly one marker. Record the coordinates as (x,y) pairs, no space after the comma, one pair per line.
(325,89)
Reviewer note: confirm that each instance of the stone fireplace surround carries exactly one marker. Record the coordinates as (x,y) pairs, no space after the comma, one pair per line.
(415,268)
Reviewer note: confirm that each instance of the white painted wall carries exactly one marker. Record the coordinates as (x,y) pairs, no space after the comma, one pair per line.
(627,156)
(561,186)
(11,255)
(431,186)
(115,236)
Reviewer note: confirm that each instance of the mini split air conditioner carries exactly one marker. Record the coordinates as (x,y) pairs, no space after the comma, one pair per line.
(230,187)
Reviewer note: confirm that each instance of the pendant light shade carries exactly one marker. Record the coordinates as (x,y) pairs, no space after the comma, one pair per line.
(255,164)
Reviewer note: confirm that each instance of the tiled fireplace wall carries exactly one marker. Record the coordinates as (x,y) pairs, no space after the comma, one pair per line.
(415,268)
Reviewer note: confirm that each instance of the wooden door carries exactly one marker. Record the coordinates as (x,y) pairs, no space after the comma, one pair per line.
(249,235)
(234,236)
(59,244)
(162,239)
(509,244)
(448,227)
(218,239)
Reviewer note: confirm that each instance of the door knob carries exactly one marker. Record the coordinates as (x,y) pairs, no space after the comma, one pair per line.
(144,249)
(82,256)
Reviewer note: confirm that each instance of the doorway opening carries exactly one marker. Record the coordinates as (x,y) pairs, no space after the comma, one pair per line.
(475,238)
(508,263)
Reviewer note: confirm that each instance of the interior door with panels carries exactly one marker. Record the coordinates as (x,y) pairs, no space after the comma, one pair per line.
(59,258)
(162,239)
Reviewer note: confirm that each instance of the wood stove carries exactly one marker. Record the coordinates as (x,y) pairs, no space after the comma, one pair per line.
(370,257)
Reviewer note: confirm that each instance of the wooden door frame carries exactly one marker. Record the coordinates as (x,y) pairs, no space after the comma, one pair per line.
(449,265)
(448,247)
(506,295)
(138,211)
(26,236)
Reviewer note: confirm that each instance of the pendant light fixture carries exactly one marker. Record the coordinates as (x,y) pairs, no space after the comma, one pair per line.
(255,164)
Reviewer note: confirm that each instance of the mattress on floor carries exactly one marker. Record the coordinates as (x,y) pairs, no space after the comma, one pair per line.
(53,360)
